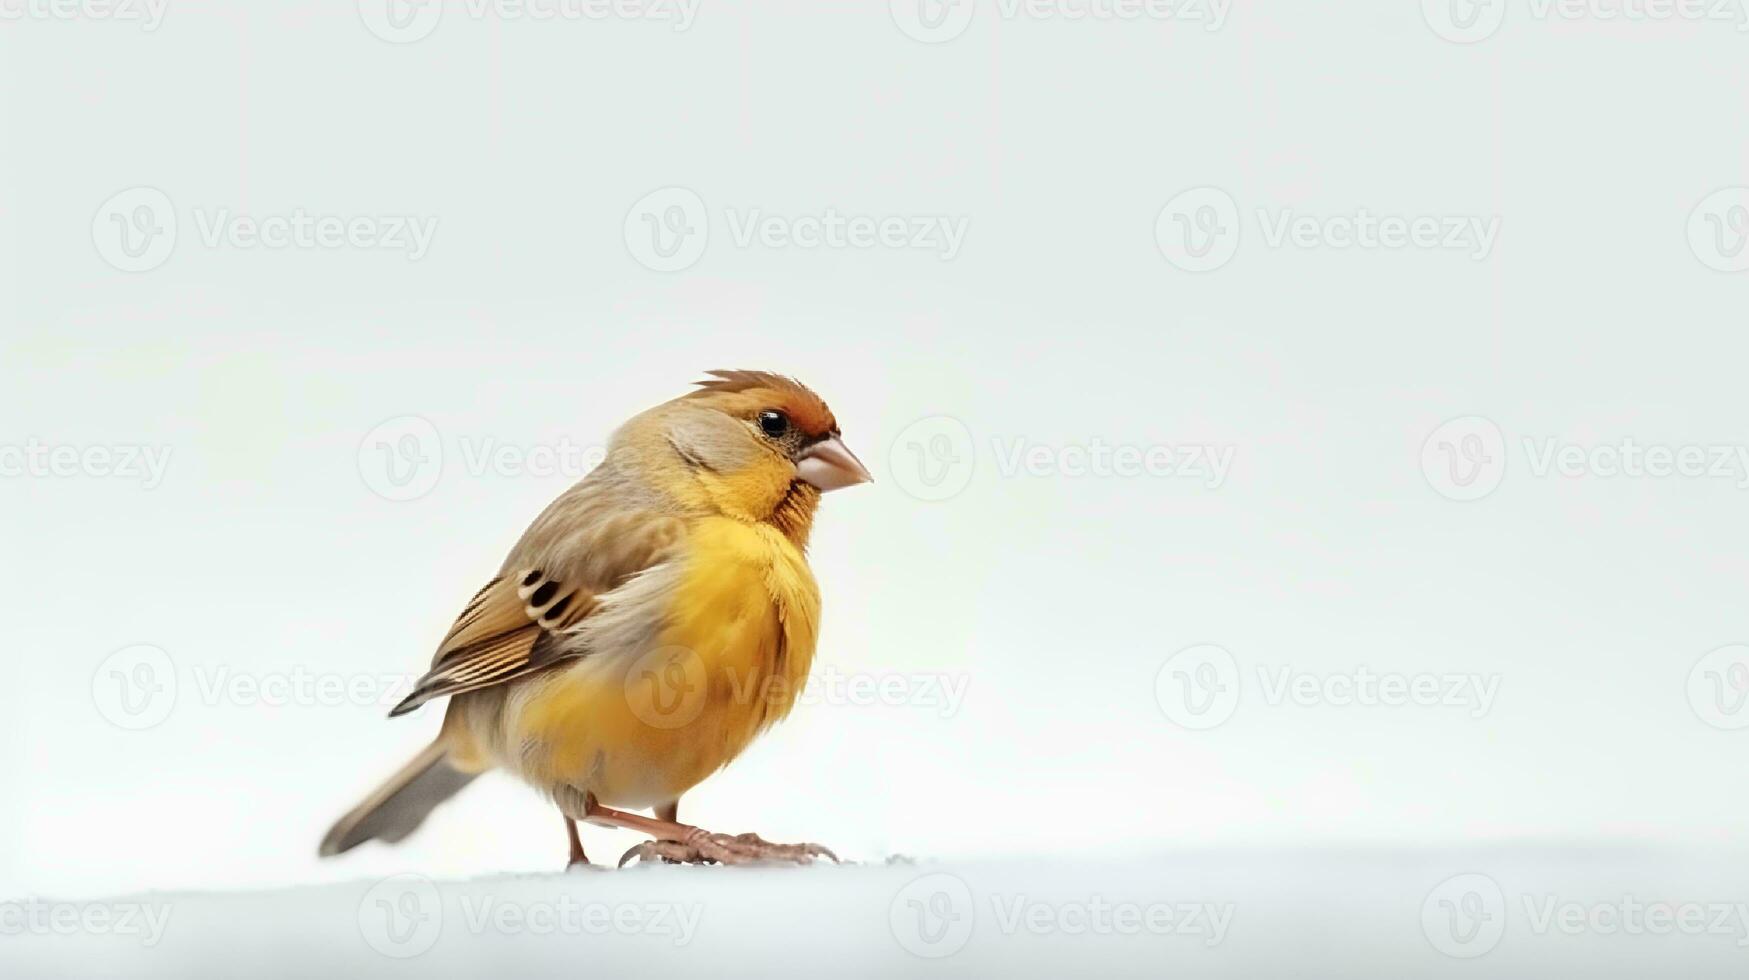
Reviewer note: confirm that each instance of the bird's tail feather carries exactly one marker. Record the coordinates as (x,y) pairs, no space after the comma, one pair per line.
(400,805)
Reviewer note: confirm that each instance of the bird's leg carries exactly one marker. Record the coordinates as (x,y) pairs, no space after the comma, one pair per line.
(577,855)
(679,843)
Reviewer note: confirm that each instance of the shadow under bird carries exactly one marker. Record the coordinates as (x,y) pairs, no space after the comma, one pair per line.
(649,624)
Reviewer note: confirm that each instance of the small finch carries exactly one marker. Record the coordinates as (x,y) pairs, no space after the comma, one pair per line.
(651,622)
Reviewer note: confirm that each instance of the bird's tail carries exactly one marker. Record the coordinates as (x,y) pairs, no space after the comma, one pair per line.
(400,805)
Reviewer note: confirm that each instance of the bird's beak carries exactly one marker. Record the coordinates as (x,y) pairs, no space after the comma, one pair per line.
(830,465)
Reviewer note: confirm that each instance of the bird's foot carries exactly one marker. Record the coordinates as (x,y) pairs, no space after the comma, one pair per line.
(703,847)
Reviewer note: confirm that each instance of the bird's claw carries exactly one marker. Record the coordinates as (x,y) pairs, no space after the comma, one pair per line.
(702,847)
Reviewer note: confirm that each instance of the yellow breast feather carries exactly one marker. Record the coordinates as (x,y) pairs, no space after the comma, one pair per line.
(733,655)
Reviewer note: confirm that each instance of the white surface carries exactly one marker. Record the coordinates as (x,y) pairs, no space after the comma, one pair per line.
(1519,912)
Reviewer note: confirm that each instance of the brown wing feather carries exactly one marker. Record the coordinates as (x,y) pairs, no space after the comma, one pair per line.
(495,637)
(542,591)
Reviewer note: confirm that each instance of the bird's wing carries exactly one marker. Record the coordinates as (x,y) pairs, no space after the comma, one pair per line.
(566,568)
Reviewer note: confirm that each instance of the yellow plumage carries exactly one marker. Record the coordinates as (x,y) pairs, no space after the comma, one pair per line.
(647,627)
(741,634)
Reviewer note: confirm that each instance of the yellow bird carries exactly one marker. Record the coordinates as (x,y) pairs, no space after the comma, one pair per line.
(652,620)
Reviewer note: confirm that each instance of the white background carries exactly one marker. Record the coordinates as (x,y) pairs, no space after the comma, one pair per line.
(1061,322)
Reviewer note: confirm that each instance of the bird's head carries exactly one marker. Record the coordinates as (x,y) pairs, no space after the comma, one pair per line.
(747,444)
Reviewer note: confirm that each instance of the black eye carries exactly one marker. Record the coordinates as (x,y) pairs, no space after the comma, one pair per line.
(773,424)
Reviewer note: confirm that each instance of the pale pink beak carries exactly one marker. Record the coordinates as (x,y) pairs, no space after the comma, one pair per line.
(830,465)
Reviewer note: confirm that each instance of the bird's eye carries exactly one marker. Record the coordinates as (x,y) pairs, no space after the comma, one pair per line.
(773,424)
